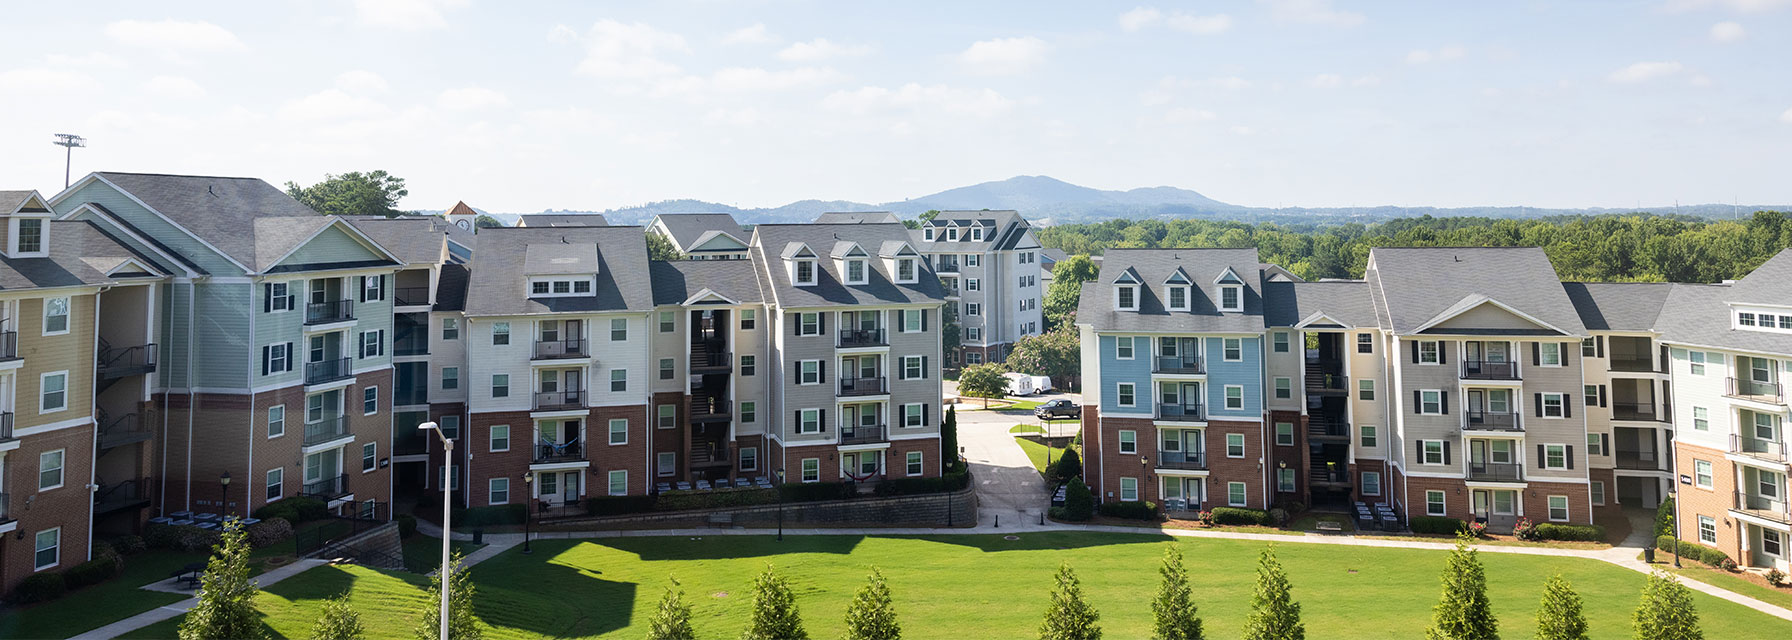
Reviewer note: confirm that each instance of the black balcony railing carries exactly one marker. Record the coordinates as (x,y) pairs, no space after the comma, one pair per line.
(118,362)
(1754,390)
(1489,370)
(109,497)
(1183,412)
(5,507)
(9,345)
(1760,506)
(705,454)
(555,349)
(120,431)
(328,312)
(710,408)
(1324,429)
(546,452)
(328,371)
(1319,382)
(412,342)
(411,296)
(863,386)
(1758,447)
(1186,460)
(862,338)
(411,441)
(1178,364)
(711,361)
(559,400)
(1632,365)
(863,434)
(1489,421)
(330,428)
(1638,460)
(1635,411)
(6,426)
(946,267)
(1495,471)
(334,487)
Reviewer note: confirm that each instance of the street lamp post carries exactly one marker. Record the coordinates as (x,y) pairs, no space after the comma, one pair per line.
(447,509)
(780,504)
(223,495)
(529,492)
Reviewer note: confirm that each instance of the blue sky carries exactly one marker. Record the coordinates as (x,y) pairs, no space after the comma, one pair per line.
(521,106)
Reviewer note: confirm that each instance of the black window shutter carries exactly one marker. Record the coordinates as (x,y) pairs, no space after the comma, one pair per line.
(1602,395)
(821,371)
(923,320)
(1446,452)
(796,324)
(1537,403)
(1418,402)
(1420,445)
(821,321)
(1599,341)
(923,367)
(1605,443)
(1415,351)
(1536,354)
(267,297)
(1443,399)
(382,343)
(798,421)
(363,282)
(1541,459)
(290,356)
(267,358)
(823,414)
(1443,353)
(1570,455)
(796,373)
(1567,405)
(1565,353)
(926,415)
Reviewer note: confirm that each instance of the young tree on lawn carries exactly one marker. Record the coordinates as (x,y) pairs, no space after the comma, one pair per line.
(1068,277)
(1274,613)
(949,441)
(226,608)
(1666,612)
(1069,617)
(1067,466)
(1057,353)
(1463,613)
(774,610)
(871,616)
(461,623)
(1559,617)
(983,381)
(1079,503)
(338,622)
(375,193)
(1174,608)
(672,621)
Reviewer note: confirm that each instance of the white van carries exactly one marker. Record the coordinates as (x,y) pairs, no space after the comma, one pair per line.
(1020,384)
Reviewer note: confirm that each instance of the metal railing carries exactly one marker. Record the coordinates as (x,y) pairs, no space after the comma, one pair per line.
(862,338)
(863,386)
(1485,421)
(1754,390)
(711,361)
(1178,364)
(708,453)
(1186,460)
(331,428)
(5,507)
(410,296)
(1186,412)
(121,495)
(327,371)
(568,348)
(1758,448)
(1634,411)
(327,488)
(559,452)
(118,362)
(1325,429)
(863,434)
(1489,370)
(559,400)
(328,312)
(1321,382)
(1633,365)
(1774,509)
(9,345)
(707,407)
(361,517)
(1495,471)
(411,342)
(122,430)
(1638,460)
(946,267)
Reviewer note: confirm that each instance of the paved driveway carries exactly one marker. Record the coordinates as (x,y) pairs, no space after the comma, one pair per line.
(1008,487)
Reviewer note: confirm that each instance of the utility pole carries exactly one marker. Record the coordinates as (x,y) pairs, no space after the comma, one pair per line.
(68,141)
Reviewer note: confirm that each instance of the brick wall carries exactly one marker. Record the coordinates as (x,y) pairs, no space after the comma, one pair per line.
(1294,455)
(1356,480)
(631,457)
(897,457)
(488,464)
(675,439)
(1093,452)
(1223,470)
(1713,503)
(1536,501)
(1457,502)
(66,506)
(1117,465)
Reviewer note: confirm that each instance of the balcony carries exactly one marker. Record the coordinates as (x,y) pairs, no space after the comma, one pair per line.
(1184,460)
(1180,365)
(9,345)
(330,312)
(328,429)
(1765,392)
(326,488)
(712,362)
(946,267)
(709,408)
(6,426)
(1486,421)
(709,454)
(1322,383)
(1757,448)
(120,431)
(328,371)
(1644,411)
(1489,370)
(559,400)
(5,508)
(864,434)
(863,387)
(560,349)
(1495,472)
(115,496)
(119,362)
(1638,460)
(1181,412)
(411,296)
(547,453)
(1327,429)
(413,342)
(1763,507)
(1633,365)
(850,338)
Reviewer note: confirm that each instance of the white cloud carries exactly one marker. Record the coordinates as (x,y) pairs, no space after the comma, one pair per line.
(1200,25)
(174,37)
(174,87)
(755,34)
(405,15)
(1366,81)
(18,82)
(821,49)
(617,50)
(1443,54)
(1326,81)
(1786,117)
(756,79)
(1187,115)
(471,99)
(1003,56)
(732,117)
(1243,130)
(1644,71)
(1727,32)
(1742,6)
(1311,12)
(89,59)
(331,104)
(1139,18)
(361,80)
(577,120)
(1232,83)
(976,103)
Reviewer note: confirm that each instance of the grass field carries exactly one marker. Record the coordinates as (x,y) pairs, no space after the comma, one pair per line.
(1732,582)
(945,585)
(423,554)
(1026,428)
(1037,452)
(77,611)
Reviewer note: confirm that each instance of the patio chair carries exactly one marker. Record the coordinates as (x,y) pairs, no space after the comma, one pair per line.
(662,487)
(762,482)
(703,485)
(683,486)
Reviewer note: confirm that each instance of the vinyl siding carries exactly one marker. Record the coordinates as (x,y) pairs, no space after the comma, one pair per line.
(1247,372)
(151,225)
(221,335)
(331,246)
(71,352)
(1115,371)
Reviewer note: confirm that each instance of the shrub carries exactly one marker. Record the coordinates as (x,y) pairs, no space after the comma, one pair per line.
(1067,466)
(1524,530)
(1727,564)
(1057,513)
(91,572)
(1130,509)
(407,525)
(269,532)
(1573,532)
(1239,516)
(618,505)
(1664,518)
(1204,517)
(954,481)
(1079,504)
(1438,525)
(493,515)
(707,500)
(1702,553)
(1477,529)
(184,538)
(129,545)
(1776,577)
(817,491)
(39,587)
(296,509)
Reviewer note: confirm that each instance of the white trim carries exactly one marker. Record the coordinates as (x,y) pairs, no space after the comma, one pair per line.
(334,221)
(66,392)
(21,432)
(1478,300)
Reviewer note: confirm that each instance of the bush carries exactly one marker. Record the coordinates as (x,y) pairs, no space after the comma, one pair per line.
(1057,513)
(1664,518)
(1776,577)
(1228,516)
(407,525)
(1524,530)
(186,538)
(1067,466)
(1438,525)
(618,505)
(1572,532)
(955,481)
(269,532)
(1702,553)
(1130,509)
(92,572)
(296,510)
(709,500)
(129,545)
(1079,504)
(501,514)
(39,587)
(817,491)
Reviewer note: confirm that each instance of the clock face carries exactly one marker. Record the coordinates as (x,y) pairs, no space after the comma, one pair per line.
(464,224)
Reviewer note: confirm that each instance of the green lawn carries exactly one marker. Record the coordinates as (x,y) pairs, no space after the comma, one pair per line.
(944,585)
(423,554)
(1026,428)
(1728,581)
(1036,452)
(76,612)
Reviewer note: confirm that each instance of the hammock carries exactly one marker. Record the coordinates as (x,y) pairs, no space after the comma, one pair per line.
(559,448)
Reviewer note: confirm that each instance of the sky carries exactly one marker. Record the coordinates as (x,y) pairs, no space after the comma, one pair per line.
(525,106)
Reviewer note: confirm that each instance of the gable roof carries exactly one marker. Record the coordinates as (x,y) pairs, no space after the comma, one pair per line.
(79,253)
(1096,307)
(830,288)
(562,220)
(1345,302)
(414,240)
(1414,288)
(1702,314)
(498,286)
(22,202)
(1002,230)
(461,209)
(676,281)
(451,288)
(246,219)
(857,217)
(1618,306)
(686,229)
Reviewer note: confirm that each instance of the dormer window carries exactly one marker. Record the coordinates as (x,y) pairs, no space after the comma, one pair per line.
(977,234)
(803,273)
(952,235)
(1178,297)
(31,235)
(905,271)
(1126,298)
(545,287)
(929,233)
(1231,297)
(1764,319)
(855,272)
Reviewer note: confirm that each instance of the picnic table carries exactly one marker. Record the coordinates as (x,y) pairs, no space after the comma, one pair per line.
(188,575)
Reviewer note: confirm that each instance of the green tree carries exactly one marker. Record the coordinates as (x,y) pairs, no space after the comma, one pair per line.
(461,623)
(486,222)
(871,616)
(354,193)
(1067,466)
(226,607)
(1079,503)
(1069,617)
(338,622)
(1057,353)
(775,616)
(1463,612)
(983,381)
(672,621)
(949,441)
(1274,613)
(660,248)
(1559,616)
(1061,298)
(1174,612)
(1666,611)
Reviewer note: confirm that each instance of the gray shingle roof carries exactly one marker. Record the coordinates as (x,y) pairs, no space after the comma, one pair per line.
(1700,314)
(686,228)
(1345,301)
(10,200)
(415,240)
(559,258)
(771,241)
(79,254)
(451,288)
(247,219)
(848,217)
(1618,306)
(1153,267)
(499,284)
(1001,230)
(562,220)
(676,281)
(1417,285)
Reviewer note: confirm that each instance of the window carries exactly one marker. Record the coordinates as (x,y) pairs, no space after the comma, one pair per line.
(1371,483)
(808,324)
(805,272)
(1697,358)
(278,358)
(973,309)
(1558,508)
(450,377)
(276,481)
(914,415)
(618,380)
(373,343)
(53,392)
(973,357)
(1235,494)
(914,463)
(1550,354)
(370,457)
(1126,298)
(1742,318)
(1281,342)
(808,372)
(1434,503)
(1432,452)
(973,334)
(1234,396)
(1123,347)
(278,299)
(370,401)
(666,462)
(1428,352)
(1129,489)
(808,421)
(1285,434)
(666,368)
(811,470)
(500,438)
(619,482)
(1368,435)
(1590,394)
(1597,490)
(1284,388)
(1552,405)
(450,426)
(1431,402)
(1235,445)
(49,469)
(1129,441)
(1231,298)
(450,329)
(276,421)
(498,491)
(1233,350)
(618,330)
(1365,389)
(1285,480)
(667,416)
(1588,348)
(749,458)
(1708,530)
(1125,392)
(747,318)
(973,260)
(1701,474)
(973,284)
(500,333)
(49,548)
(1701,419)
(618,431)
(1555,456)
(913,320)
(373,288)
(1365,343)
(911,368)
(749,412)
(1595,445)
(666,324)
(905,270)
(748,365)
(1772,542)
(500,385)
(55,316)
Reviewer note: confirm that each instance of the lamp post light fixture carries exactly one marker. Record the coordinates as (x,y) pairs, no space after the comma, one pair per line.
(780,473)
(447,509)
(68,141)
(223,495)
(529,492)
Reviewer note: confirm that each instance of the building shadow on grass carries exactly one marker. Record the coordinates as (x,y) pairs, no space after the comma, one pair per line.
(551,599)
(738,546)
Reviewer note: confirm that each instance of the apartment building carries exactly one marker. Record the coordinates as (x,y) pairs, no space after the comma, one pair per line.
(562,220)
(711,377)
(1627,392)
(988,263)
(1327,391)
(702,236)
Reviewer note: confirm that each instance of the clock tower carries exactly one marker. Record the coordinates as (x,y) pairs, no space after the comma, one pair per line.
(464,217)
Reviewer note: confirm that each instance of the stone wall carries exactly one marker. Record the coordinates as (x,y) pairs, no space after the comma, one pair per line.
(957,509)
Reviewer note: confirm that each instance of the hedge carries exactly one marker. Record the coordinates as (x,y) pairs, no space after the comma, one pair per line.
(493,515)
(296,509)
(1702,553)
(1664,517)
(39,587)
(1439,525)
(1130,509)
(407,525)
(181,538)
(91,572)
(1239,516)
(955,481)
(793,492)
(1574,532)
(818,491)
(1079,503)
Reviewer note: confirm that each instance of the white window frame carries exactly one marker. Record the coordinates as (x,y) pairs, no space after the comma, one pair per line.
(1124,294)
(913,271)
(618,330)
(749,412)
(612,431)
(858,264)
(913,415)
(749,458)
(806,417)
(273,420)
(450,329)
(1597,490)
(973,259)
(1129,489)
(808,324)
(911,368)
(61,469)
(1228,397)
(1707,525)
(1237,294)
(366,449)
(1431,402)
(491,438)
(1702,474)
(665,463)
(500,333)
(450,378)
(1124,348)
(618,380)
(67,315)
(38,549)
(1170,296)
(797,270)
(1550,506)
(1561,405)
(1365,389)
(973,284)
(1442,503)
(492,490)
(1367,436)
(810,468)
(808,372)
(1701,419)
(914,463)
(1123,391)
(1547,350)
(911,320)
(43,391)
(1129,442)
(1285,482)
(274,480)
(1284,388)
(1237,494)
(666,416)
(1235,440)
(370,395)
(1232,349)
(1552,450)
(618,482)
(496,387)
(1429,456)
(1280,432)
(1367,484)
(1280,342)
(1430,352)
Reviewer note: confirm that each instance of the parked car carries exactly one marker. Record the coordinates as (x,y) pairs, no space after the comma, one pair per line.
(1057,409)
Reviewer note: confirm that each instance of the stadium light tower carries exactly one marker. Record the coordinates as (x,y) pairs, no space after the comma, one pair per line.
(69,141)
